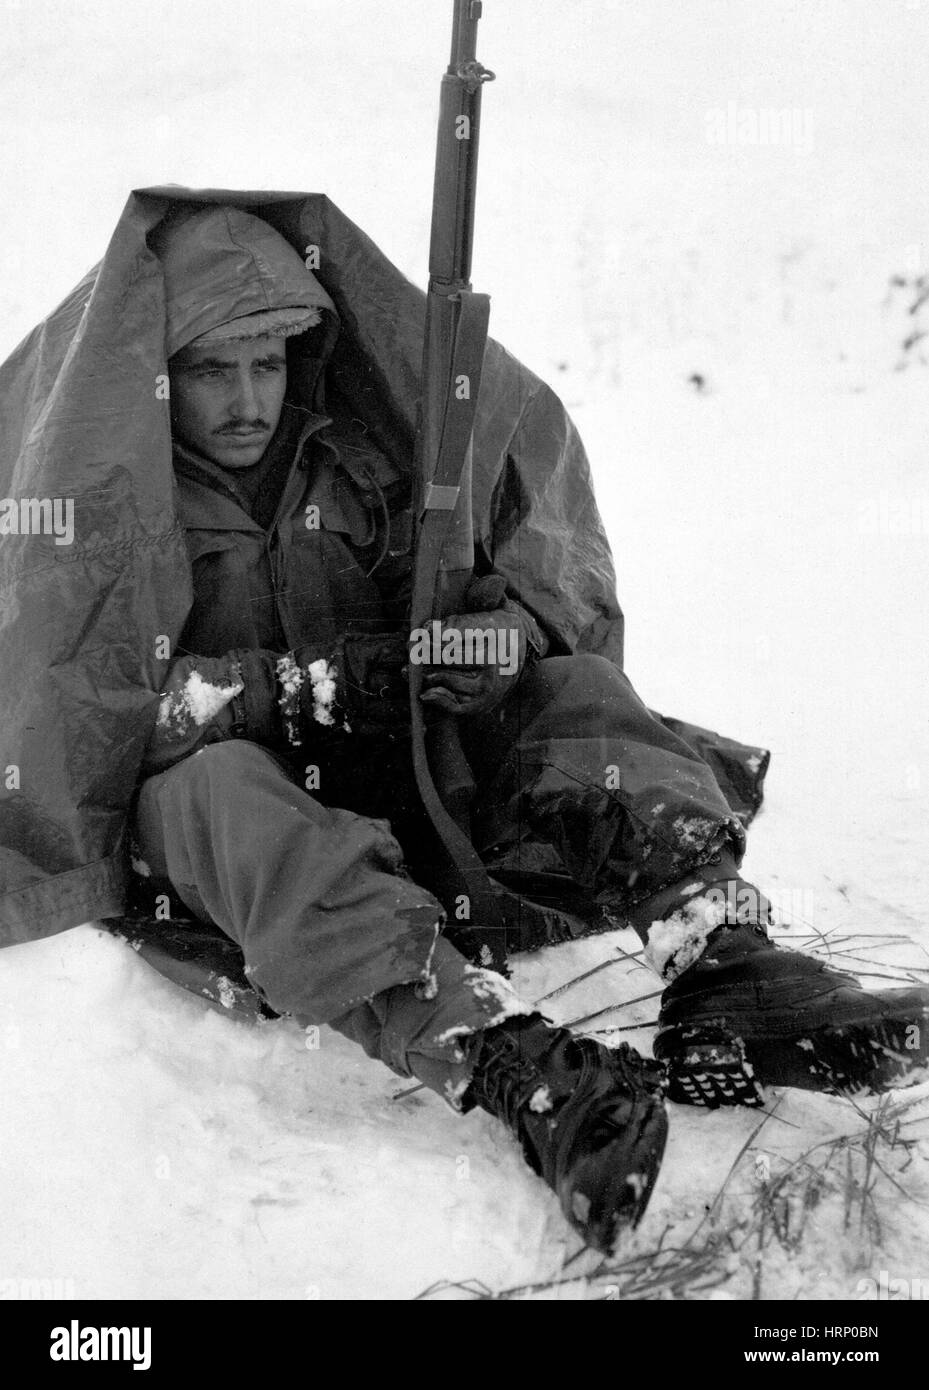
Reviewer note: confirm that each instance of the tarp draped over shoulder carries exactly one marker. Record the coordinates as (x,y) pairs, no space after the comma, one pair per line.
(87,623)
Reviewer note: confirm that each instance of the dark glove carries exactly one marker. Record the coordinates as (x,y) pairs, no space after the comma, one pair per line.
(497,635)
(357,685)
(209,698)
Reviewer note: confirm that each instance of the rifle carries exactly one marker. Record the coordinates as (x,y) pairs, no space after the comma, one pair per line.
(453,352)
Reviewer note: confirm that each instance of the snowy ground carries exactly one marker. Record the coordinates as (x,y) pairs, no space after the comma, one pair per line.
(720,320)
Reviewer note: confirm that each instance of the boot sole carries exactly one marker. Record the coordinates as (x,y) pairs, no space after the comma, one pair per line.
(601,1212)
(709,1064)
(605,1190)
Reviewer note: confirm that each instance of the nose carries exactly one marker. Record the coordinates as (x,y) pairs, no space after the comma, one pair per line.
(245,403)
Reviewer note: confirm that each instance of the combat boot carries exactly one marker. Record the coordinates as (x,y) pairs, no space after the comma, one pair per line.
(591,1120)
(748,1013)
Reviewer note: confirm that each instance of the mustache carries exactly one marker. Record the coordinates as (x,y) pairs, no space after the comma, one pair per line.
(238,426)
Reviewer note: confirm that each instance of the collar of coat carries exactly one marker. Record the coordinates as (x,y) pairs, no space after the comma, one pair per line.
(295,427)
(363,488)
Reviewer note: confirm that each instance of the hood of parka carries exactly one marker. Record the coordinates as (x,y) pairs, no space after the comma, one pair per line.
(230,275)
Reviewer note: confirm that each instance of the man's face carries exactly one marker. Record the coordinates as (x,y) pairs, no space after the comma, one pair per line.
(226,398)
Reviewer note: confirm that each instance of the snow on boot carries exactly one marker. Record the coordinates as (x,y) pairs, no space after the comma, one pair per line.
(591,1120)
(749,1013)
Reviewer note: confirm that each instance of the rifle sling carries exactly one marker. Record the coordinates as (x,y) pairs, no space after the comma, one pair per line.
(436,520)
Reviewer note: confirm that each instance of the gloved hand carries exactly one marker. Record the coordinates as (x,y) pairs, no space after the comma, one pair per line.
(357,685)
(497,635)
(209,698)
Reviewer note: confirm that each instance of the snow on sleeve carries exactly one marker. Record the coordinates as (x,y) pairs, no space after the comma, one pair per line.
(675,942)
(226,992)
(291,679)
(693,832)
(197,702)
(497,996)
(454,1092)
(541,1100)
(323,677)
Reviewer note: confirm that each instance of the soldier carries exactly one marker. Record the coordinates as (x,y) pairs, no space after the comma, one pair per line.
(278,802)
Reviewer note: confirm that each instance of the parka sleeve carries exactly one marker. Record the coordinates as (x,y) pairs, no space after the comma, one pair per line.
(206,699)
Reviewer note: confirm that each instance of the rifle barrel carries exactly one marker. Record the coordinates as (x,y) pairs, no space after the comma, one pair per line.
(456,157)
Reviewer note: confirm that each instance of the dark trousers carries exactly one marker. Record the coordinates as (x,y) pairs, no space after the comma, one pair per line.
(575,778)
